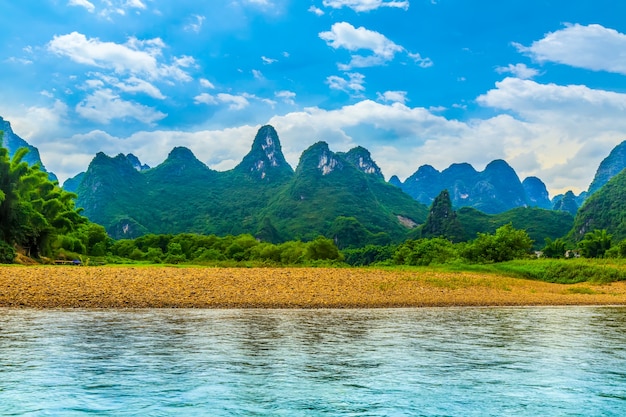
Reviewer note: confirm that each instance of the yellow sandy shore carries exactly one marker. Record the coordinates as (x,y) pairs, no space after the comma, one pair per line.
(138,287)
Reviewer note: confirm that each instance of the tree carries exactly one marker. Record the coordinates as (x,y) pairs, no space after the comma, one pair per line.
(34,211)
(348,232)
(554,248)
(442,221)
(425,252)
(595,244)
(322,248)
(505,245)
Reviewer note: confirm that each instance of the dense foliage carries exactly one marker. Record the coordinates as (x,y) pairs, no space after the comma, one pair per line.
(211,249)
(37,216)
(442,221)
(505,244)
(538,223)
(605,209)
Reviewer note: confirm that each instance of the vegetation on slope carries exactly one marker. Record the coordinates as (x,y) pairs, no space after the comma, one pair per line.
(36,215)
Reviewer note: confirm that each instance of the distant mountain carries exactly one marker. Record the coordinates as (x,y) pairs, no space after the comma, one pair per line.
(71,184)
(536,193)
(13,142)
(567,202)
(494,190)
(262,195)
(610,166)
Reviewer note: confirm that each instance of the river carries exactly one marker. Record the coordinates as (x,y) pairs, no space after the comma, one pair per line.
(548,361)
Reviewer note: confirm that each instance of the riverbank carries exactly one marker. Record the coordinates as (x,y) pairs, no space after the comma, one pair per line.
(193,287)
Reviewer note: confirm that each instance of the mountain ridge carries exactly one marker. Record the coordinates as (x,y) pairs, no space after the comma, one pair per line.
(494,190)
(182,194)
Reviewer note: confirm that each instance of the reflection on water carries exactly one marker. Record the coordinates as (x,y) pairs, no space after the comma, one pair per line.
(380,362)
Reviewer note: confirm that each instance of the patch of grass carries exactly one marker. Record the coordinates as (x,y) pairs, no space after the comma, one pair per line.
(565,271)
(581,290)
(560,271)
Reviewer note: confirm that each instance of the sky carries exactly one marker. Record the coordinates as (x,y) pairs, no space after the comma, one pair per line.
(538,83)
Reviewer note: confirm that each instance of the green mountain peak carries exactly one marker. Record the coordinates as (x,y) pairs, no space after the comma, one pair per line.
(265,161)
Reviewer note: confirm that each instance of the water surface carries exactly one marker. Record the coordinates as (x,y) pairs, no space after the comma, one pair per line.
(557,361)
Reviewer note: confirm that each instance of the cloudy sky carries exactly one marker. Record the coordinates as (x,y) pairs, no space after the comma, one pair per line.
(539,83)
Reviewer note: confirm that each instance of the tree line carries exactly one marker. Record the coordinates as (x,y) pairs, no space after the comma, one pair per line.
(39,218)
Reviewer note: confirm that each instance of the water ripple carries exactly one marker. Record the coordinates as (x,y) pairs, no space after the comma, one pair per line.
(381,362)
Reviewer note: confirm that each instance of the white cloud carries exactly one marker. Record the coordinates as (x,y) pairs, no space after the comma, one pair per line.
(351,85)
(236,102)
(422,62)
(393,96)
(344,35)
(206,83)
(267,60)
(257,74)
(287,96)
(136,57)
(137,4)
(196,23)
(591,47)
(103,106)
(365,5)
(205,98)
(82,3)
(518,70)
(382,50)
(555,103)
(559,133)
(316,10)
(15,60)
(36,121)
(131,85)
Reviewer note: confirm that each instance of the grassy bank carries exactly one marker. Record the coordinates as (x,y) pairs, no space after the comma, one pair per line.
(560,271)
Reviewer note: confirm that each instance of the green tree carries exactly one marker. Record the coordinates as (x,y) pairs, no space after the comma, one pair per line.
(369,254)
(322,249)
(595,244)
(348,232)
(424,252)
(34,211)
(554,248)
(505,245)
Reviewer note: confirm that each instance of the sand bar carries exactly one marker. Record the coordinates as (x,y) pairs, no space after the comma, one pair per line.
(173,287)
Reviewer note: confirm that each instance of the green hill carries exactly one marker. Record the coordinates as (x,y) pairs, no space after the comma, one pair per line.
(262,195)
(604,209)
(538,223)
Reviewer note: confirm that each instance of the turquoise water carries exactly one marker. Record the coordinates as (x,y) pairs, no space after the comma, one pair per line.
(567,361)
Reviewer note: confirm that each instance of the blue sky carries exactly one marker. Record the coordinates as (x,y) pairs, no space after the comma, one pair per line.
(541,84)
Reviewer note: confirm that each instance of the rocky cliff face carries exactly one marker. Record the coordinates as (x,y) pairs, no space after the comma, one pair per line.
(362,159)
(265,161)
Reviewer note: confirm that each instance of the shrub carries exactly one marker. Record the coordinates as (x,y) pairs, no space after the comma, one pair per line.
(322,249)
(505,245)
(7,253)
(422,252)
